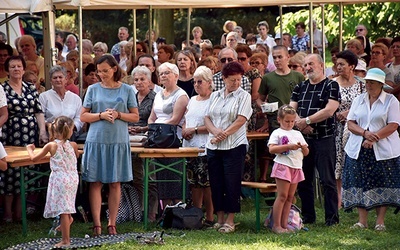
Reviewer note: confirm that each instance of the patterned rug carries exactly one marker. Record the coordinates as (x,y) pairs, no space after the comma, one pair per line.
(48,243)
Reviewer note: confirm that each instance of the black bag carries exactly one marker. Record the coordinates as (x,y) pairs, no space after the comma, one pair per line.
(182,218)
(161,135)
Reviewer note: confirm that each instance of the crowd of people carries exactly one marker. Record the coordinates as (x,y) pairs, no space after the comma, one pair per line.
(341,121)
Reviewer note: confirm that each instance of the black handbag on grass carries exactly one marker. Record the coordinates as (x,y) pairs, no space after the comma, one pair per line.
(182,218)
(161,135)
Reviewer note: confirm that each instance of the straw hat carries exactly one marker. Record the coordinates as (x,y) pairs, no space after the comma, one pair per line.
(226,24)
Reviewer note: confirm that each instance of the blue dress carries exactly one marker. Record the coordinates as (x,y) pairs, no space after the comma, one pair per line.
(107,153)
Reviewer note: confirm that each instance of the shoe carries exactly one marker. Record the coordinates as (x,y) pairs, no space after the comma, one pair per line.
(208,224)
(217,225)
(96,231)
(112,230)
(358,225)
(226,228)
(380,227)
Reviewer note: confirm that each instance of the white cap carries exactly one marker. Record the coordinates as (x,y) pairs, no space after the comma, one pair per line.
(361,65)
(278,36)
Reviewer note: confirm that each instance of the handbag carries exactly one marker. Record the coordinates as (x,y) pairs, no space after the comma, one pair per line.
(182,218)
(161,135)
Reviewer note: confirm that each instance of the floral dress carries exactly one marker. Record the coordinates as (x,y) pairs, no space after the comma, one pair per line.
(348,94)
(20,129)
(63,181)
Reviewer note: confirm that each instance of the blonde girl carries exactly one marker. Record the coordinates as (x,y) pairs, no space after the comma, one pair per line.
(289,147)
(63,181)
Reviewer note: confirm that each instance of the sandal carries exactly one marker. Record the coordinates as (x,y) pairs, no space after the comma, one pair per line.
(96,231)
(280,231)
(112,230)
(226,228)
(380,227)
(358,225)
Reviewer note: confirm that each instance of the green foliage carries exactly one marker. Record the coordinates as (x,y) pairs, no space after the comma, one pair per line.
(377,17)
(67,22)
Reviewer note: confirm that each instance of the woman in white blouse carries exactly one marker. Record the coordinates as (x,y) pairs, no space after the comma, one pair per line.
(225,120)
(371,177)
(58,101)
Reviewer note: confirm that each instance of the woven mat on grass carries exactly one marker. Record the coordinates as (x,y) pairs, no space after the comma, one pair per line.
(48,243)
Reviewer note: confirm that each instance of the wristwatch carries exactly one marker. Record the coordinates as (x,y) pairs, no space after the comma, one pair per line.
(308,121)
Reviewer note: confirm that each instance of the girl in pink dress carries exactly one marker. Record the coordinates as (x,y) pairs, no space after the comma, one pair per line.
(63,181)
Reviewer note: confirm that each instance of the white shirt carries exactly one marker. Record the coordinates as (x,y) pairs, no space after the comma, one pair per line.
(223,111)
(194,117)
(3,101)
(318,39)
(156,89)
(383,111)
(294,158)
(53,106)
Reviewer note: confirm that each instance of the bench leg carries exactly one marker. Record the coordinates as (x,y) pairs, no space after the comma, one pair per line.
(257,200)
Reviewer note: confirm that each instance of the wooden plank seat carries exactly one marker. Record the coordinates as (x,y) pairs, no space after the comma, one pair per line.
(260,188)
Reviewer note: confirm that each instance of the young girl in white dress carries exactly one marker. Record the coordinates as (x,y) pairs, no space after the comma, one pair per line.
(63,181)
(289,147)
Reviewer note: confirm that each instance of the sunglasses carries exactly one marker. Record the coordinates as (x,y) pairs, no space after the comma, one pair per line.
(198,82)
(242,59)
(223,60)
(293,66)
(359,30)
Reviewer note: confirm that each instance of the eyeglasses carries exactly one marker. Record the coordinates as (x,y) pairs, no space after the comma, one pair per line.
(255,63)
(139,50)
(358,30)
(293,66)
(198,82)
(376,53)
(395,46)
(223,60)
(231,40)
(165,73)
(104,71)
(242,59)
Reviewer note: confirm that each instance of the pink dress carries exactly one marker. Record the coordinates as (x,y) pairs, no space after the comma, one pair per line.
(63,182)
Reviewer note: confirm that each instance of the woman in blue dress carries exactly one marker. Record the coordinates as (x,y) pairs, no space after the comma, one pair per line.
(108,106)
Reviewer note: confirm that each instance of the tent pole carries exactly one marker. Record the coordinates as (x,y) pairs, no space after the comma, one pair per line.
(340,26)
(150,29)
(80,51)
(50,53)
(311,28)
(134,35)
(188,27)
(323,30)
(280,25)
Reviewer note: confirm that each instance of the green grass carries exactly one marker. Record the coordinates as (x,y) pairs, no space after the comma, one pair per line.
(318,236)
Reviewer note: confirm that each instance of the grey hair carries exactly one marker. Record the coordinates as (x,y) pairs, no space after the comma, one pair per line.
(71,35)
(235,55)
(204,73)
(86,43)
(169,66)
(239,28)
(102,46)
(57,68)
(233,33)
(142,70)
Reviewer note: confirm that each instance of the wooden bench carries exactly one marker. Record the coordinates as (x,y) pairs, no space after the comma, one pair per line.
(260,188)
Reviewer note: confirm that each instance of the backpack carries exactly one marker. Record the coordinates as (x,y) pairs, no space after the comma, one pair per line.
(295,223)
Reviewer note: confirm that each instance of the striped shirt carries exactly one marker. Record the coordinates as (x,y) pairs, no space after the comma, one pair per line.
(223,111)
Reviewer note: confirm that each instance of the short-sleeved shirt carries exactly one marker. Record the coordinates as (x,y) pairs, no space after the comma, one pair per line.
(279,88)
(311,98)
(383,111)
(145,109)
(223,111)
(294,158)
(219,83)
(300,43)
